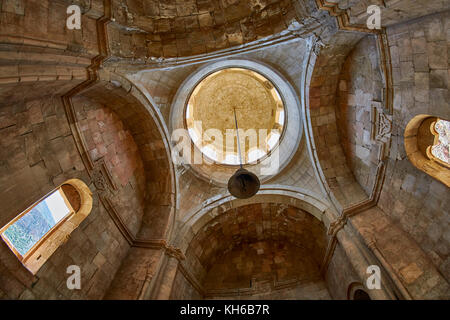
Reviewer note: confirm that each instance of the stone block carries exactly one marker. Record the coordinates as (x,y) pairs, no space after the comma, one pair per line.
(421,63)
(439,79)
(437,55)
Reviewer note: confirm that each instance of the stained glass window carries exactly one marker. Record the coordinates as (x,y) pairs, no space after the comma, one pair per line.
(441,147)
(26,231)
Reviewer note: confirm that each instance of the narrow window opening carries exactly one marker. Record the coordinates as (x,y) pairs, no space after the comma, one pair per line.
(26,231)
(35,234)
(427,145)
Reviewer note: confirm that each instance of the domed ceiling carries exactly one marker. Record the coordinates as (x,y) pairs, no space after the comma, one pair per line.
(259,111)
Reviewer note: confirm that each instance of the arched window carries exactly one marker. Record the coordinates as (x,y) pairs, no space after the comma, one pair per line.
(38,231)
(427,144)
(356,291)
(361,295)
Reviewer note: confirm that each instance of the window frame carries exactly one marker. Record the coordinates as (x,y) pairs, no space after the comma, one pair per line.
(29,253)
(57,236)
(419,157)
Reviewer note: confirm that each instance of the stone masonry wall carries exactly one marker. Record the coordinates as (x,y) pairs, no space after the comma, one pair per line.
(45,21)
(360,84)
(37,154)
(340,274)
(226,253)
(392,11)
(418,203)
(322,108)
(39,56)
(138,266)
(313,290)
(148,138)
(412,266)
(107,138)
(182,289)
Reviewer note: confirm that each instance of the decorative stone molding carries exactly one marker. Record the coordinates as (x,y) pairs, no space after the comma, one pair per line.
(99,180)
(381,124)
(155,244)
(381,134)
(342,17)
(174,252)
(102,178)
(92,71)
(159,244)
(337,225)
(316,45)
(381,129)
(332,231)
(340,222)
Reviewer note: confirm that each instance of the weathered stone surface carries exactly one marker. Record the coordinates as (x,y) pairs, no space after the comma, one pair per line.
(264,248)
(44,151)
(255,253)
(405,183)
(362,78)
(108,139)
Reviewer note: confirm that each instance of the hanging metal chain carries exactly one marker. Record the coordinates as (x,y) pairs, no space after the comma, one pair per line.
(237,133)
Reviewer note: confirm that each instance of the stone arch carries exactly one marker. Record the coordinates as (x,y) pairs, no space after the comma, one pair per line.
(118,169)
(320,104)
(359,103)
(418,138)
(279,198)
(149,132)
(300,198)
